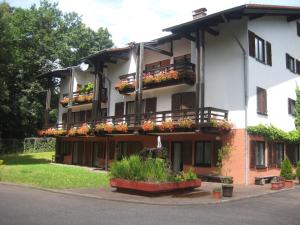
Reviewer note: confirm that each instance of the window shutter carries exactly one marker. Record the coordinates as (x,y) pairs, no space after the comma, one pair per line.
(269,53)
(270,154)
(298,29)
(259,99)
(188,100)
(264,101)
(214,159)
(176,102)
(298,67)
(252,154)
(251,43)
(287,59)
(187,153)
(150,105)
(119,109)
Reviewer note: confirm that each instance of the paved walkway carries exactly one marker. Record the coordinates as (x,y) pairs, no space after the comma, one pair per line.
(200,195)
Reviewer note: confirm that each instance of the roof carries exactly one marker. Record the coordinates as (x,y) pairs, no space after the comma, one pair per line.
(60,73)
(251,10)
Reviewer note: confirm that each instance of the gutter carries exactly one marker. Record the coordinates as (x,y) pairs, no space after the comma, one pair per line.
(246,75)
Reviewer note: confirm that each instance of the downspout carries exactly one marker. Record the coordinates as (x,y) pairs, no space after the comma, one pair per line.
(245,65)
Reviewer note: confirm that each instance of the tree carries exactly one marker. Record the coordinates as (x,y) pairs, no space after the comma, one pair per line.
(34,41)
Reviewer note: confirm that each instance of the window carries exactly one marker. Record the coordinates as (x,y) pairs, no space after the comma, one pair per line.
(260,154)
(261,101)
(185,100)
(119,109)
(260,49)
(290,63)
(203,154)
(157,65)
(291,106)
(130,108)
(182,59)
(279,153)
(296,157)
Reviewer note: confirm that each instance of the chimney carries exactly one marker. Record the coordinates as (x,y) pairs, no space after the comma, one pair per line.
(199,13)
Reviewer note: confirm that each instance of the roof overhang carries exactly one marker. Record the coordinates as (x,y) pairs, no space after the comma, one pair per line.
(250,10)
(59,73)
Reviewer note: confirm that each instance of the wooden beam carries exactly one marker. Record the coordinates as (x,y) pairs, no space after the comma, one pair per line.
(161,51)
(292,18)
(212,31)
(189,37)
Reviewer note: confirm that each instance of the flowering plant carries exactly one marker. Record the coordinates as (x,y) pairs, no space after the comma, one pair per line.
(185,123)
(148,125)
(166,125)
(121,127)
(79,99)
(72,131)
(85,129)
(221,125)
(108,127)
(61,132)
(124,84)
(89,97)
(99,127)
(148,79)
(64,101)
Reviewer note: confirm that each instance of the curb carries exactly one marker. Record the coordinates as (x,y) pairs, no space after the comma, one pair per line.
(66,192)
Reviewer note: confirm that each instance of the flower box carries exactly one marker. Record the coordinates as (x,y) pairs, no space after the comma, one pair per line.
(149,187)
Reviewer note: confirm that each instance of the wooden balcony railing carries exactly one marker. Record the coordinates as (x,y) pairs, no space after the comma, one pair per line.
(173,74)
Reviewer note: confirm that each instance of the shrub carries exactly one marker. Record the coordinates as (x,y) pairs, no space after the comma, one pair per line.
(217,189)
(186,176)
(286,169)
(1,168)
(298,170)
(39,145)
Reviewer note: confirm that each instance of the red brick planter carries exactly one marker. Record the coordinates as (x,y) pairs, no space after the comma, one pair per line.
(216,194)
(153,187)
(276,185)
(288,183)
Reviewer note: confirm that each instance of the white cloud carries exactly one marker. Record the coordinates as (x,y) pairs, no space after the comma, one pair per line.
(142,20)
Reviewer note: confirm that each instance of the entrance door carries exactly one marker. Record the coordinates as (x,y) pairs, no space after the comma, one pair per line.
(177,157)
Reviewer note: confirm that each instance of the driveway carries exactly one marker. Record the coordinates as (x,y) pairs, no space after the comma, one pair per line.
(26,206)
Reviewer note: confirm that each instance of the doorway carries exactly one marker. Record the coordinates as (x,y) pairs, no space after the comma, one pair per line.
(177,163)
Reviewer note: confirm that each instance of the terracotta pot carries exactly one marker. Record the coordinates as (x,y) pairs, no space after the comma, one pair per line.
(227,190)
(276,185)
(288,183)
(216,194)
(153,187)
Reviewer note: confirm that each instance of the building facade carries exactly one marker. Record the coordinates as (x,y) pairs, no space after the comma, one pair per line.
(198,88)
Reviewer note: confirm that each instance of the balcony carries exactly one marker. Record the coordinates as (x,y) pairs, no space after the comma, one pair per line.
(170,75)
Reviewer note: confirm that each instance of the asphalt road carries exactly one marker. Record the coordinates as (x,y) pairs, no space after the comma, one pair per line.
(25,206)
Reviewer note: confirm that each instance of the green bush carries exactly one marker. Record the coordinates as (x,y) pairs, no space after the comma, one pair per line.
(298,170)
(150,170)
(286,169)
(32,145)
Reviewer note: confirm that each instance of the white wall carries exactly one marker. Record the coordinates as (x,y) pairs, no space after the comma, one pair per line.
(279,82)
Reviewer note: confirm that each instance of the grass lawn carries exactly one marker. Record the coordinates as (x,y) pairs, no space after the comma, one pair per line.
(35,169)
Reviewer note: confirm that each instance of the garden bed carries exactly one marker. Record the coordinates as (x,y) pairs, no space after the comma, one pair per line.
(150,187)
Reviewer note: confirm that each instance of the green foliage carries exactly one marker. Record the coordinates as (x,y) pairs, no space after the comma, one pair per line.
(39,145)
(273,133)
(89,87)
(298,170)
(217,189)
(1,168)
(34,41)
(223,155)
(150,170)
(286,169)
(297,109)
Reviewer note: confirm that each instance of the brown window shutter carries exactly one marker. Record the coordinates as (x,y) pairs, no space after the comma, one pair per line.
(264,101)
(252,154)
(119,109)
(150,105)
(176,102)
(270,154)
(298,29)
(188,100)
(287,59)
(259,100)
(269,53)
(214,159)
(251,43)
(298,67)
(187,153)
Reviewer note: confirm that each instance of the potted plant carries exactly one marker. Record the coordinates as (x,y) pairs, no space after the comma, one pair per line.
(216,193)
(72,132)
(64,101)
(166,126)
(276,183)
(185,124)
(121,127)
(87,88)
(79,99)
(286,172)
(89,98)
(125,86)
(99,128)
(227,186)
(221,125)
(108,127)
(84,130)
(148,126)
(61,132)
(298,171)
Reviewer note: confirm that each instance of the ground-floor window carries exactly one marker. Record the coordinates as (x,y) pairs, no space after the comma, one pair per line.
(203,151)
(260,154)
(66,148)
(296,154)
(279,153)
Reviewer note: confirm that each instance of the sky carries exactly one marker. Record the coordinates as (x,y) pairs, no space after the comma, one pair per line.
(141,20)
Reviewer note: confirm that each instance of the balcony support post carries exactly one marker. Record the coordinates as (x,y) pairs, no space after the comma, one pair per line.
(71,84)
(47,108)
(139,83)
(97,99)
